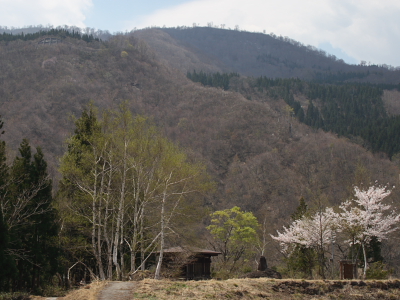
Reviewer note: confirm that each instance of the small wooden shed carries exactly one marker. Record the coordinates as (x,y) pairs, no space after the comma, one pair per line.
(192,263)
(348,269)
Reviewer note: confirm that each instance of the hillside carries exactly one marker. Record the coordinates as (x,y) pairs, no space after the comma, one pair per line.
(257,161)
(257,54)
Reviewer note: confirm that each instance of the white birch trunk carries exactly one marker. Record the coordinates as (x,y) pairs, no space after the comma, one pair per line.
(160,257)
(365,261)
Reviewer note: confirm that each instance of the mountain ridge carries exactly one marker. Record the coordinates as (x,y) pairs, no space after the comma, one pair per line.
(258,54)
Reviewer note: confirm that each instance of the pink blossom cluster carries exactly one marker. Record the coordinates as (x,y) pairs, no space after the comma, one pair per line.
(359,220)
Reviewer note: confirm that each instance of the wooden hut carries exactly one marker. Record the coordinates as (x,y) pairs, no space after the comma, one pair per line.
(348,269)
(190,263)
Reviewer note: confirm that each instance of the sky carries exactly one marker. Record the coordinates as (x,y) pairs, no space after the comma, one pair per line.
(354,30)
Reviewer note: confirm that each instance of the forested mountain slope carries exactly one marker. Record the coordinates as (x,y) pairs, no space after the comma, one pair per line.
(43,85)
(365,113)
(265,142)
(261,158)
(257,54)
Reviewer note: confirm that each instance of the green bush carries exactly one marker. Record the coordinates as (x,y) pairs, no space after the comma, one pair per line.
(53,290)
(378,271)
(14,296)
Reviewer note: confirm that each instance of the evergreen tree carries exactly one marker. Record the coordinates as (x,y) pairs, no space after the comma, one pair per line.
(4,172)
(300,211)
(77,229)
(34,230)
(8,270)
(301,260)
(7,266)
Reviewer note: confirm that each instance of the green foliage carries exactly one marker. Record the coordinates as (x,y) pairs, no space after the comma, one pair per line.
(340,76)
(15,296)
(235,234)
(32,219)
(4,170)
(301,261)
(53,289)
(144,296)
(7,264)
(28,255)
(87,128)
(234,226)
(373,252)
(378,270)
(214,79)
(348,109)
(176,287)
(58,32)
(120,178)
(301,210)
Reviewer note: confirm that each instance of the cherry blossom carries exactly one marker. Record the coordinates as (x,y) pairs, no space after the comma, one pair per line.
(312,232)
(366,217)
(360,220)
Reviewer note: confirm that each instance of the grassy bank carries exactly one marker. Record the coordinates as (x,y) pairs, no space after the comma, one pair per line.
(284,289)
(266,289)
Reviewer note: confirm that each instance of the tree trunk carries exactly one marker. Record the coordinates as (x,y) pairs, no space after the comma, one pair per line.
(95,243)
(119,225)
(160,257)
(142,254)
(365,261)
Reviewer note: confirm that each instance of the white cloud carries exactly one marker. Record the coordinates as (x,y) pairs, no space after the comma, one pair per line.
(366,30)
(19,13)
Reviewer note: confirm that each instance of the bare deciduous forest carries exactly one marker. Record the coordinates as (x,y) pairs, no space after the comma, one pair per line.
(259,154)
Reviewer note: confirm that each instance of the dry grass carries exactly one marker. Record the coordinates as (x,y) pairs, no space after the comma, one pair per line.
(246,289)
(88,292)
(260,289)
(209,289)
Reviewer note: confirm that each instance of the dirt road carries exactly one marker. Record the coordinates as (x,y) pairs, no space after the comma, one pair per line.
(118,290)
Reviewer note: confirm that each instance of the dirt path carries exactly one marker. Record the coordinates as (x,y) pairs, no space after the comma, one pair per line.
(118,290)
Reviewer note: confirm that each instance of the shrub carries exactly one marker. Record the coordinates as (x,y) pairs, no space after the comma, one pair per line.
(14,296)
(378,271)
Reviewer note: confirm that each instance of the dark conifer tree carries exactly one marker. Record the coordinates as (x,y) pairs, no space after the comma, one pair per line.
(7,266)
(73,234)
(35,236)
(8,271)
(302,259)
(3,166)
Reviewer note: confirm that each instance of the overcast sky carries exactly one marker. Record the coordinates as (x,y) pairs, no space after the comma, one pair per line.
(354,30)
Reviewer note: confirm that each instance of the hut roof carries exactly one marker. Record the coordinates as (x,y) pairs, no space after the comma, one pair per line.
(192,250)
